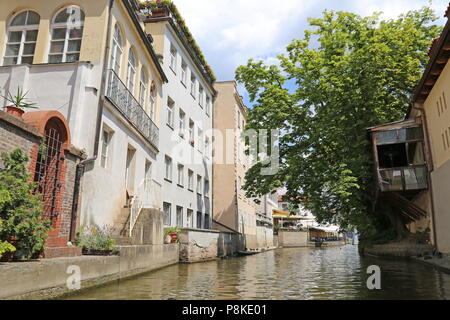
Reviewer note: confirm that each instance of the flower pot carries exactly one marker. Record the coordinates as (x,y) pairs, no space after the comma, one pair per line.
(15,111)
(173,237)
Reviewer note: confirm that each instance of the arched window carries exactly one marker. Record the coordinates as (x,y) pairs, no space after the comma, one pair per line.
(117,50)
(131,71)
(143,88)
(67,32)
(22,35)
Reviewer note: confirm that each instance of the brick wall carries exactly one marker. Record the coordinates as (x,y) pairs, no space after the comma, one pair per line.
(15,133)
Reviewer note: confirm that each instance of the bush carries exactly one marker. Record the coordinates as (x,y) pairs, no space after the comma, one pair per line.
(95,238)
(6,247)
(20,209)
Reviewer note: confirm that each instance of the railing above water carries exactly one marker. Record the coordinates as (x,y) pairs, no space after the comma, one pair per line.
(125,102)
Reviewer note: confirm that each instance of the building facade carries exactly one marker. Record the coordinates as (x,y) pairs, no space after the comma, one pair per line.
(92,62)
(185,158)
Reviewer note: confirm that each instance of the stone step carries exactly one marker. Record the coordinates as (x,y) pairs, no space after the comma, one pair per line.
(123,241)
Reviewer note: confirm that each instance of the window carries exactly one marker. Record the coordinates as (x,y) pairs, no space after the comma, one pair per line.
(207,147)
(183,72)
(180,178)
(67,32)
(170,107)
(143,88)
(117,50)
(200,140)
(208,105)
(106,140)
(206,221)
(191,132)
(152,102)
(199,220)
(193,85)
(200,96)
(168,166)
(173,58)
(190,218)
(131,71)
(167,209)
(129,169)
(199,184)
(22,35)
(180,217)
(190,180)
(182,117)
(206,188)
(147,175)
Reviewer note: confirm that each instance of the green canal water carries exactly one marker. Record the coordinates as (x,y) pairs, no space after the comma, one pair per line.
(290,273)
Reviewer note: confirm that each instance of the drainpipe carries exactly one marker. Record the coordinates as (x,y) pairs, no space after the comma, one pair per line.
(81,166)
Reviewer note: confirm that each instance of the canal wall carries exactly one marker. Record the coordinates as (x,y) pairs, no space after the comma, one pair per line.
(398,250)
(48,278)
(293,238)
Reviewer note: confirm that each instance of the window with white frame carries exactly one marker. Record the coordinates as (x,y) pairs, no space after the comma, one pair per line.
(193,85)
(190,218)
(117,50)
(180,176)
(200,140)
(206,188)
(179,216)
(22,36)
(152,102)
(182,124)
(199,184)
(106,141)
(173,58)
(191,132)
(201,93)
(183,72)
(170,111)
(131,71)
(208,105)
(66,35)
(190,180)
(143,89)
(167,209)
(168,167)
(147,175)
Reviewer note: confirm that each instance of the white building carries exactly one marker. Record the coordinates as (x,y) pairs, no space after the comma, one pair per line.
(185,158)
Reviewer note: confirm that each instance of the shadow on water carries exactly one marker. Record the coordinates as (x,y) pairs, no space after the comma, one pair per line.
(283,274)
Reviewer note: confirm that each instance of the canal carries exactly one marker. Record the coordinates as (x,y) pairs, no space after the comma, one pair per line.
(290,273)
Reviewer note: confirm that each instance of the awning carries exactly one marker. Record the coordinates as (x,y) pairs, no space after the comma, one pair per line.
(280,213)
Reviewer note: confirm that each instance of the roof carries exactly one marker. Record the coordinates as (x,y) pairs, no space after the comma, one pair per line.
(439,55)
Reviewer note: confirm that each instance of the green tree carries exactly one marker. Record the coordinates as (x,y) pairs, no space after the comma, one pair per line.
(20,209)
(348,73)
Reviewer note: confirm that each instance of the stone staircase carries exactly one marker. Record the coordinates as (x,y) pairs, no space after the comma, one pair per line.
(122,227)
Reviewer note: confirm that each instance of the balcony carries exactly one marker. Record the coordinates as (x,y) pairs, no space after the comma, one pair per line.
(403,179)
(124,101)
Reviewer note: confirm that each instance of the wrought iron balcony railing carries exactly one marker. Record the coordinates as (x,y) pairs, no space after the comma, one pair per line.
(403,178)
(125,102)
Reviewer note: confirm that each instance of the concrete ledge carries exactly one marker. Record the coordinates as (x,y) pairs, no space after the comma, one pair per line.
(44,279)
(441,264)
(399,250)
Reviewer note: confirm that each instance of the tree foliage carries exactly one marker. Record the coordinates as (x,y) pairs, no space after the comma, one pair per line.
(348,73)
(20,209)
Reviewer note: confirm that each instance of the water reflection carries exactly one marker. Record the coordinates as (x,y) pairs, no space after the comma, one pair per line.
(295,273)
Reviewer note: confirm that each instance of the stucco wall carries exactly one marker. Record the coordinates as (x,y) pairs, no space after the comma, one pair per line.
(198,245)
(441,186)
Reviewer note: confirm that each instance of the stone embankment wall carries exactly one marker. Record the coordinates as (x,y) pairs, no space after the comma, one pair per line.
(293,238)
(399,250)
(48,278)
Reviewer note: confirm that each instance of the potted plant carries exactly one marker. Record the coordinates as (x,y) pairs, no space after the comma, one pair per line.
(173,233)
(96,240)
(19,103)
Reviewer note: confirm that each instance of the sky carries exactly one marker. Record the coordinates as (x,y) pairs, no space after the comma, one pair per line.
(230,32)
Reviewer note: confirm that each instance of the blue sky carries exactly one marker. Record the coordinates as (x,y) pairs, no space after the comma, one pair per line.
(230,32)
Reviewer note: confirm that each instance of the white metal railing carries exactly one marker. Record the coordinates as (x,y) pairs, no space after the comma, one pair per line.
(148,195)
(123,99)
